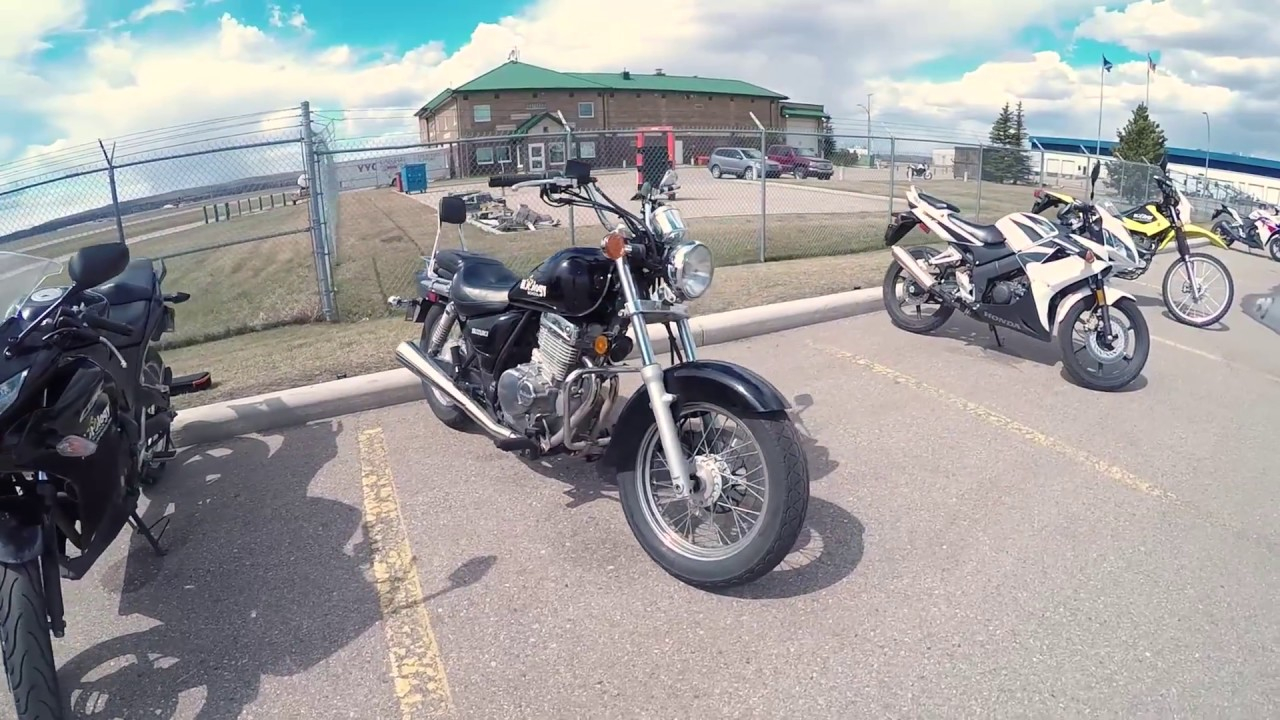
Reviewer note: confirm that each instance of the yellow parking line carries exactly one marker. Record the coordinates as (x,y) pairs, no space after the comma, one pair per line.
(416,663)
(995,419)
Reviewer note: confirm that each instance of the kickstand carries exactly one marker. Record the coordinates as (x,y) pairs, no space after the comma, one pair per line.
(153,539)
(996,333)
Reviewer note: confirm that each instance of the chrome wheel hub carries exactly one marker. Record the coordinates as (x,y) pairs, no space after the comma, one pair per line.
(710,471)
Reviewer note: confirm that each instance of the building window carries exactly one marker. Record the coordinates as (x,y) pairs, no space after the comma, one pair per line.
(556,151)
(484,156)
(502,153)
(535,106)
(534,94)
(587,150)
(586,110)
(480,113)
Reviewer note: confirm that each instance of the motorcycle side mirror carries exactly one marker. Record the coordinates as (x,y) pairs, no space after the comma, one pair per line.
(1093,174)
(93,265)
(1164,164)
(669,179)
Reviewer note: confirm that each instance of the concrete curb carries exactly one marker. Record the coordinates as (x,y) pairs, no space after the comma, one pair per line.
(296,406)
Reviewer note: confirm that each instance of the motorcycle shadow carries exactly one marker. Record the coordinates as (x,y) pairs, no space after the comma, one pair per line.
(1150,302)
(829,547)
(1263,308)
(262,578)
(1015,347)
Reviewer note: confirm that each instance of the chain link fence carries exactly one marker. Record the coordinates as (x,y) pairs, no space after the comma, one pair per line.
(274,218)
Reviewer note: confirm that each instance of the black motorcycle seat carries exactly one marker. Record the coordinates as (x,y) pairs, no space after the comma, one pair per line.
(137,282)
(451,259)
(938,203)
(986,234)
(135,315)
(482,286)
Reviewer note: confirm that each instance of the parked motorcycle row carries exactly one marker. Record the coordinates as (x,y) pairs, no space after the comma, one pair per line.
(712,478)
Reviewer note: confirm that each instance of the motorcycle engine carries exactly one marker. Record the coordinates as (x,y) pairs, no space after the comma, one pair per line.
(528,393)
(1005,292)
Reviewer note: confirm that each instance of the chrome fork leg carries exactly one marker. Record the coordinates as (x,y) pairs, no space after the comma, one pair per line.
(659,399)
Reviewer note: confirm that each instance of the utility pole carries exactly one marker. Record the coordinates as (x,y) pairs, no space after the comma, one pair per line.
(867,108)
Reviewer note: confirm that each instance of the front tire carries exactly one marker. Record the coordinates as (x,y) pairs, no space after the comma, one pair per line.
(1077,361)
(28,649)
(441,406)
(782,489)
(1273,247)
(715,172)
(899,316)
(1176,310)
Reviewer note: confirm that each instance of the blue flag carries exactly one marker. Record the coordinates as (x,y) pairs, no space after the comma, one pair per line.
(1106,64)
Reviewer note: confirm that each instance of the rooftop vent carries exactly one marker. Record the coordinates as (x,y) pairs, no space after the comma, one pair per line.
(626,74)
(658,72)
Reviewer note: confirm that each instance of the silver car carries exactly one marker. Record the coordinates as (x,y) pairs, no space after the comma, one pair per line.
(740,162)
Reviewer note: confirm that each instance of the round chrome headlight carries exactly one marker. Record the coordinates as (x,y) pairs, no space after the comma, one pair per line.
(690,269)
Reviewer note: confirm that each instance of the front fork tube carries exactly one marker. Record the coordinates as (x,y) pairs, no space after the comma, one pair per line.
(50,568)
(651,373)
(1100,295)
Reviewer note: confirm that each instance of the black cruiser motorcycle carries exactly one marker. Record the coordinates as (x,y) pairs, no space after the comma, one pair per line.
(84,423)
(710,471)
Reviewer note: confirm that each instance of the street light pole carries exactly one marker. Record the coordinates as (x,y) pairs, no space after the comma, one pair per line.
(1208,142)
(867,108)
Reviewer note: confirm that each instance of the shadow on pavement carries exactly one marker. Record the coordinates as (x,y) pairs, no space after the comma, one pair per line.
(257,582)
(1263,308)
(1150,302)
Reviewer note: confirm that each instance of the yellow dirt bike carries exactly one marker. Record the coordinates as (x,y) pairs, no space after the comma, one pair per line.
(1201,277)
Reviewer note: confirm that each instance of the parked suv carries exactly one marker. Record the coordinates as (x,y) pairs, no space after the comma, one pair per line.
(800,162)
(740,162)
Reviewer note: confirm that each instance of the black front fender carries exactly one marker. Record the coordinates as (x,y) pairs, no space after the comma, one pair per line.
(20,533)
(726,384)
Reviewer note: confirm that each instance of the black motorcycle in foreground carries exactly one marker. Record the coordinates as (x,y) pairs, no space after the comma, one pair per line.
(84,423)
(710,471)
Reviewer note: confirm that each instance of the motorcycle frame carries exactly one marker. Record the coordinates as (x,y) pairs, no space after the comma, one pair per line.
(743,387)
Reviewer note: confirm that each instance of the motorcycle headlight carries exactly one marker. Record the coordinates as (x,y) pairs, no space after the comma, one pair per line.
(9,390)
(1116,246)
(690,269)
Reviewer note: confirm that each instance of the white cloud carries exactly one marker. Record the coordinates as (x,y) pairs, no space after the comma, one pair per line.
(158,7)
(812,50)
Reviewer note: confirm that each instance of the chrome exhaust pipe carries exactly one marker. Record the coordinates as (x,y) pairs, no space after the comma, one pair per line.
(913,268)
(412,357)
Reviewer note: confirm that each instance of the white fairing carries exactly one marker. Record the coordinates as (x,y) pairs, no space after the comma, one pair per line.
(1033,238)
(1113,296)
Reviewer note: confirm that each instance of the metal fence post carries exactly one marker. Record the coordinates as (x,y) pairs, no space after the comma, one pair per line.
(568,153)
(319,246)
(893,169)
(111,182)
(764,173)
(977,213)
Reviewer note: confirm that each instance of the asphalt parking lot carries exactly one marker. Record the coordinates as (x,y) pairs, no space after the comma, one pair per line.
(985,539)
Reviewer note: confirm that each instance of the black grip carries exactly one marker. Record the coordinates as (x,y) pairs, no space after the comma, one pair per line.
(504,181)
(111,326)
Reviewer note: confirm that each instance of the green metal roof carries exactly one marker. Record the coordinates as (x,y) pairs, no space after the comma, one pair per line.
(532,122)
(515,75)
(804,113)
(689,84)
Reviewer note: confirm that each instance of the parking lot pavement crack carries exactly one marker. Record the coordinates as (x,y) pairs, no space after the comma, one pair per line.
(1107,470)
(417,666)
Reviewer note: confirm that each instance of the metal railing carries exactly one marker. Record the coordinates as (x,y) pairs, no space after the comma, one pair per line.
(275,218)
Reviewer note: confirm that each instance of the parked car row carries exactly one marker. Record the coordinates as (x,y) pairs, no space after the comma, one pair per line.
(745,162)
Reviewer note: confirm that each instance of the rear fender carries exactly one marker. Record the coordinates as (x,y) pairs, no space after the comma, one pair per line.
(732,386)
(1195,232)
(1113,296)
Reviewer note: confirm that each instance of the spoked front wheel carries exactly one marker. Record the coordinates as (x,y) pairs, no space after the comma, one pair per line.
(1198,289)
(749,497)
(1099,360)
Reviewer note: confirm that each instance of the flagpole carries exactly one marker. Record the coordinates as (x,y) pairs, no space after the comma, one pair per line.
(1148,103)
(1102,84)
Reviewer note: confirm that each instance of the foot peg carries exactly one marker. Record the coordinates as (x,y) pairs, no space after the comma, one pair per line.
(163,455)
(519,444)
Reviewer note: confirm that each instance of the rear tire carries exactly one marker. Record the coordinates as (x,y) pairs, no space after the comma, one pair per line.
(444,409)
(154,371)
(1273,247)
(1219,229)
(897,315)
(786,484)
(1074,365)
(715,172)
(1181,316)
(28,649)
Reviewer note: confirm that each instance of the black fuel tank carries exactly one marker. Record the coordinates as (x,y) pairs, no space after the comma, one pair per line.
(572,283)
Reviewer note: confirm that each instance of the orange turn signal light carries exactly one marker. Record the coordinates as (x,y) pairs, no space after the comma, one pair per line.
(614,246)
(1089,257)
(601,345)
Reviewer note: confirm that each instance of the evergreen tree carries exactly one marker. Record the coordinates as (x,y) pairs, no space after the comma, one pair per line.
(829,148)
(1140,144)
(1022,170)
(997,162)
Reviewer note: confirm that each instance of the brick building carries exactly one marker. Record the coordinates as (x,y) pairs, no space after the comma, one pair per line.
(508,119)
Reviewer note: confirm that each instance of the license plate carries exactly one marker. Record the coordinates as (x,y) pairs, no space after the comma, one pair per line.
(170,322)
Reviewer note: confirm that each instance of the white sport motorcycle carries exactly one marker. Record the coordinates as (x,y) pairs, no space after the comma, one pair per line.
(1026,274)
